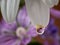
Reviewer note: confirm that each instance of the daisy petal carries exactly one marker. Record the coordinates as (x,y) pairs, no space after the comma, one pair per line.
(0,2)
(12,9)
(9,9)
(38,12)
(51,3)
(3,8)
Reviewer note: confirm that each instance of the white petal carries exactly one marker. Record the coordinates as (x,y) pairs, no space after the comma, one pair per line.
(11,8)
(55,2)
(51,3)
(3,8)
(38,12)
(0,2)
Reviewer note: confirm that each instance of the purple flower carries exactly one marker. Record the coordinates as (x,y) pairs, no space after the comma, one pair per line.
(21,34)
(55,13)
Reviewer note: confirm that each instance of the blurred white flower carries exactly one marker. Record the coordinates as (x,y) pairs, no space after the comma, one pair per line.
(9,9)
(39,11)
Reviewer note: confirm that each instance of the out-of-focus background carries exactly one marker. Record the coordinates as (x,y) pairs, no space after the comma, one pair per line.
(52,34)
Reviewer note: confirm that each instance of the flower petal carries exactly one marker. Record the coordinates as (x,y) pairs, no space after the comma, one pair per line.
(26,40)
(3,9)
(7,28)
(8,42)
(23,18)
(55,12)
(16,42)
(51,3)
(9,9)
(6,39)
(0,2)
(38,12)
(32,31)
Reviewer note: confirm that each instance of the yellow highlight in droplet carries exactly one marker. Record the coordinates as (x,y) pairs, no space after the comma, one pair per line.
(39,26)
